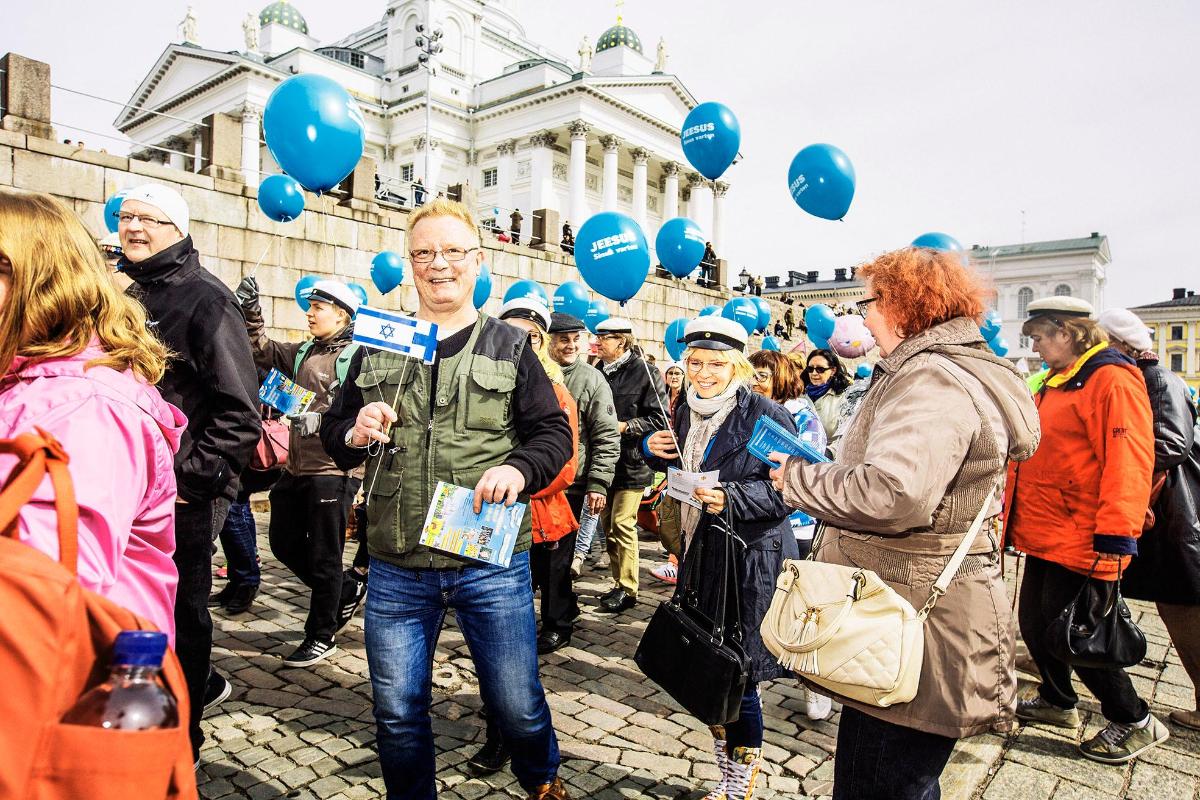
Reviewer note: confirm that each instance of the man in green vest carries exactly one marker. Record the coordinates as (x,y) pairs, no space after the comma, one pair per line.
(483,415)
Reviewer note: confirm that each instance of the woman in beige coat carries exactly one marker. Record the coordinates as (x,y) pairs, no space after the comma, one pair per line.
(926,450)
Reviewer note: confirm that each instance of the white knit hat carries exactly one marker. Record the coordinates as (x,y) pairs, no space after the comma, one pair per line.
(1124,326)
(165,199)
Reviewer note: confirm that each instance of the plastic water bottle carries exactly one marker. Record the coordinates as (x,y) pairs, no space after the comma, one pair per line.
(134,698)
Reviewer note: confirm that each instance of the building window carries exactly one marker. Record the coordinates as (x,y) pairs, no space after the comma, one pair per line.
(489,178)
(1177,362)
(1062,290)
(1024,298)
(406,173)
(1177,333)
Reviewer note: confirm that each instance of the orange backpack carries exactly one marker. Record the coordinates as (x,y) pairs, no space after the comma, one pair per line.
(56,642)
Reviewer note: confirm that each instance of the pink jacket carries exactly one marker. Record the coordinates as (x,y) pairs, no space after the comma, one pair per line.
(121,437)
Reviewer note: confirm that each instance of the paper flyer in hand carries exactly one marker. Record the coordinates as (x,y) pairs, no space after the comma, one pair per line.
(285,395)
(452,525)
(681,485)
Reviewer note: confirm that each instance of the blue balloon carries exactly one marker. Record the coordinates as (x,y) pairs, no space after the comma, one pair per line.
(612,255)
(991,324)
(680,246)
(387,271)
(863,371)
(672,338)
(764,312)
(572,298)
(820,322)
(770,343)
(303,290)
(941,241)
(819,342)
(111,209)
(710,137)
(821,180)
(314,130)
(709,310)
(528,289)
(281,197)
(597,312)
(360,292)
(483,287)
(742,311)
(999,346)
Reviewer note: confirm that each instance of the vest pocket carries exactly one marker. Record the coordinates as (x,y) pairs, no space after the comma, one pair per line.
(489,399)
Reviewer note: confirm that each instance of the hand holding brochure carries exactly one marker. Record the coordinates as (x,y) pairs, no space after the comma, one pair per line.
(285,395)
(452,525)
(771,437)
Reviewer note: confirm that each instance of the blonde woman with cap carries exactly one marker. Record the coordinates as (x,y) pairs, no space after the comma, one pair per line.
(712,426)
(1167,567)
(311,501)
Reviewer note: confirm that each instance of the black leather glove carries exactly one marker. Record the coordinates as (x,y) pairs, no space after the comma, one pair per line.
(247,292)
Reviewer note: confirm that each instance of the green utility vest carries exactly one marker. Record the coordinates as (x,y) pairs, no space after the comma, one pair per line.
(471,430)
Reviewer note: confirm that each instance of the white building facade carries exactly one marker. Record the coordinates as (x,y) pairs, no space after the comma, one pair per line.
(525,128)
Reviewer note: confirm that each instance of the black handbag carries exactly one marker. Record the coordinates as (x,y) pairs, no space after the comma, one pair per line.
(1096,629)
(699,660)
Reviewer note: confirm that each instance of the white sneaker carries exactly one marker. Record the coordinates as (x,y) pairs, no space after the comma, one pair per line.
(817,706)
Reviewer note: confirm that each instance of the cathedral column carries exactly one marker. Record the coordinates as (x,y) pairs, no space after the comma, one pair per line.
(198,153)
(610,144)
(578,174)
(639,185)
(251,119)
(430,181)
(718,221)
(504,177)
(700,204)
(541,171)
(670,197)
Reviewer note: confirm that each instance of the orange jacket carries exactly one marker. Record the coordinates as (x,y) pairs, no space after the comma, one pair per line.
(1087,487)
(552,517)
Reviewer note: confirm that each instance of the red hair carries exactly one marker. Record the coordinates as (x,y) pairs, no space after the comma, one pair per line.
(918,288)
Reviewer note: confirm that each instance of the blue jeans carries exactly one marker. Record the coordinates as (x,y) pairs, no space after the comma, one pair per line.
(239,540)
(494,608)
(878,760)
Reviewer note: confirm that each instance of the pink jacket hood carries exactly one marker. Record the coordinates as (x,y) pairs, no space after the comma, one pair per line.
(121,437)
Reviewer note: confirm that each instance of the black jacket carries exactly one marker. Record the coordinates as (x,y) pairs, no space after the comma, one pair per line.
(759,517)
(1167,566)
(639,402)
(210,376)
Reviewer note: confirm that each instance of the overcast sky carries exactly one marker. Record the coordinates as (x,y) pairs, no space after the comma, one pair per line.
(991,121)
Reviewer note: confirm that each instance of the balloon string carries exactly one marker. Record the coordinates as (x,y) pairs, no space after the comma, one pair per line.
(380,449)
(670,427)
(267,249)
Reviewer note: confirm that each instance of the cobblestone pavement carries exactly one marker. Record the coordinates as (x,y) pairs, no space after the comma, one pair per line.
(309,733)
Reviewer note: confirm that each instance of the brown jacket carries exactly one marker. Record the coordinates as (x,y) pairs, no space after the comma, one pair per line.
(926,449)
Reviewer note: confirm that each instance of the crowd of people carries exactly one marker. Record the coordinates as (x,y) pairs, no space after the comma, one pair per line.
(153,392)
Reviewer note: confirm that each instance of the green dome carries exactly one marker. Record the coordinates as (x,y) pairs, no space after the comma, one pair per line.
(285,14)
(618,35)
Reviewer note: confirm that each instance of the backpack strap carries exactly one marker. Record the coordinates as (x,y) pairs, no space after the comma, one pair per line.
(37,454)
(300,355)
(341,367)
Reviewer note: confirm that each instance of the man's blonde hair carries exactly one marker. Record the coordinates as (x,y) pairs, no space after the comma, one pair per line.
(445,207)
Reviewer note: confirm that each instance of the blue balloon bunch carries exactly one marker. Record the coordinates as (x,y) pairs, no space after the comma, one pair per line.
(111,209)
(709,310)
(360,292)
(764,313)
(304,288)
(743,311)
(314,130)
(940,241)
(597,312)
(770,343)
(821,181)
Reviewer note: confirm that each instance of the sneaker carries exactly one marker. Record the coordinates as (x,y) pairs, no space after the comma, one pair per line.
(1118,743)
(576,566)
(667,572)
(490,758)
(1036,709)
(1186,719)
(721,750)
(222,572)
(354,591)
(310,652)
(817,706)
(216,691)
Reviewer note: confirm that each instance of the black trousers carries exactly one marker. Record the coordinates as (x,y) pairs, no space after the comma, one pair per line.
(550,565)
(307,534)
(1046,590)
(196,526)
(877,760)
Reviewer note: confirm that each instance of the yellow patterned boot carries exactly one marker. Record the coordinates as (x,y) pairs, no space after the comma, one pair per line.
(744,765)
(721,750)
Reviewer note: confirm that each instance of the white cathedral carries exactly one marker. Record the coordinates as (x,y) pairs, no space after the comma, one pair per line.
(524,127)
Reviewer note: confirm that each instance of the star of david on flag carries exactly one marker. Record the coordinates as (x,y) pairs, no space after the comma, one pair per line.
(396,333)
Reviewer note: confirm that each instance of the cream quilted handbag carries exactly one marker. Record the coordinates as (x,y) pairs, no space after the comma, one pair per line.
(847,631)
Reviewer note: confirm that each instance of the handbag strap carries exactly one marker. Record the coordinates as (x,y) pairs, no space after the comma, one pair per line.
(951,569)
(38,454)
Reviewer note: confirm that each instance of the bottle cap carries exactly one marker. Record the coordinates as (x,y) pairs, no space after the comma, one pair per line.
(140,648)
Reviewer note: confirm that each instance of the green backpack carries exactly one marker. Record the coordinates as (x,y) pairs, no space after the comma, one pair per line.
(341,367)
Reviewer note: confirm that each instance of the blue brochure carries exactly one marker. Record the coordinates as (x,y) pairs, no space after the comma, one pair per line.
(771,437)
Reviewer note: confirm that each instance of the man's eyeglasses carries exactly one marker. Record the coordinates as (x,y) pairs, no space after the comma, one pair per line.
(763,376)
(453,255)
(863,304)
(611,336)
(149,223)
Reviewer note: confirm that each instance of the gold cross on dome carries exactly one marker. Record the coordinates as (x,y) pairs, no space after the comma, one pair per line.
(620,5)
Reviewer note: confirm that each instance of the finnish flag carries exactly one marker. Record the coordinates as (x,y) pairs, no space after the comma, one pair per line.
(396,333)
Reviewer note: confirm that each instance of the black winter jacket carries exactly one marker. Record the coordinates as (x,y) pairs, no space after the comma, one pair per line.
(210,376)
(639,401)
(759,517)
(1167,566)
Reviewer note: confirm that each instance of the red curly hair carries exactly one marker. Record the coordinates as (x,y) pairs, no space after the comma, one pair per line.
(918,288)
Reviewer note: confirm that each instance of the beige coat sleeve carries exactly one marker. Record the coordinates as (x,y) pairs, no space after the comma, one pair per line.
(924,424)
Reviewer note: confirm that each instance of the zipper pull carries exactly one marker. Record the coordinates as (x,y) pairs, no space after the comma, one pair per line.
(391,457)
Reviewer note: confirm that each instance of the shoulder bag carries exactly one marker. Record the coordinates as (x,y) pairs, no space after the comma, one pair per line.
(1096,629)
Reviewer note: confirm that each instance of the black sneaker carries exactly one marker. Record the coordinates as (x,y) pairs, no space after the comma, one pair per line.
(242,598)
(216,691)
(310,652)
(354,591)
(222,597)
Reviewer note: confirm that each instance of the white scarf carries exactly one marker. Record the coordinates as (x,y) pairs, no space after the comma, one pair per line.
(609,369)
(707,416)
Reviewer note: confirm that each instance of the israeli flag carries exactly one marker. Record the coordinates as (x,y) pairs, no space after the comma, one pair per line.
(396,333)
